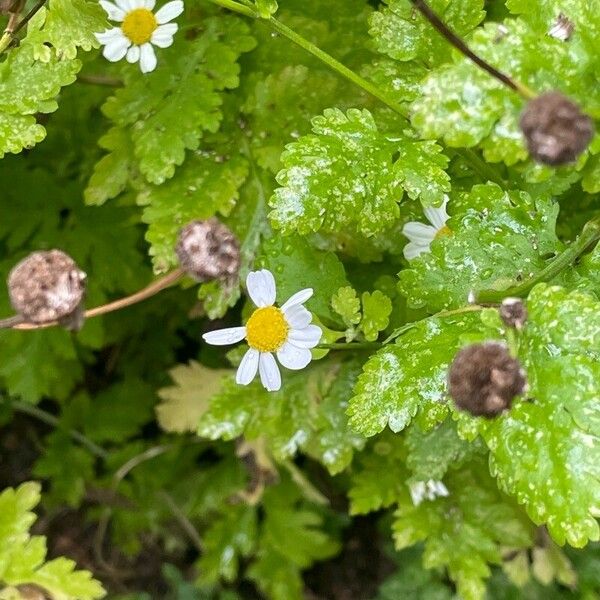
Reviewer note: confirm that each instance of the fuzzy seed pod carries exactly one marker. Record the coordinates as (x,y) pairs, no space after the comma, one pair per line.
(484,378)
(555,129)
(513,312)
(48,286)
(208,250)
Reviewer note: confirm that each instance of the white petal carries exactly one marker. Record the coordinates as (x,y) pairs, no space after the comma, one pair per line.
(147,58)
(297,316)
(169,11)
(418,231)
(270,375)
(133,54)
(149,4)
(225,337)
(248,367)
(116,49)
(292,357)
(413,250)
(114,12)
(298,298)
(110,35)
(126,5)
(437,216)
(137,4)
(261,287)
(308,337)
(163,35)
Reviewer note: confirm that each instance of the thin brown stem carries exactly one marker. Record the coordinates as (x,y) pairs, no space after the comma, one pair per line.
(154,288)
(105,80)
(460,45)
(9,35)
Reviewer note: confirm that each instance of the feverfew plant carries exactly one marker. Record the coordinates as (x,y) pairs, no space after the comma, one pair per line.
(398,202)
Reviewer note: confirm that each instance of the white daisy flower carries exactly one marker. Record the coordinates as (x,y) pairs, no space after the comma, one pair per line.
(140,30)
(421,235)
(285,332)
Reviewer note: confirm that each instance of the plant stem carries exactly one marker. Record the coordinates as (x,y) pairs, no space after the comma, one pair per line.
(105,80)
(589,235)
(439,315)
(51,420)
(351,346)
(9,36)
(476,163)
(460,45)
(147,292)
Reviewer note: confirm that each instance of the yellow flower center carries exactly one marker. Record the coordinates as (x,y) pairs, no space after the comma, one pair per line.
(267,329)
(139,25)
(443,232)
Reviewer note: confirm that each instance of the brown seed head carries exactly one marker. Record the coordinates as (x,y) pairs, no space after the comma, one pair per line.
(513,312)
(46,286)
(208,250)
(555,129)
(484,378)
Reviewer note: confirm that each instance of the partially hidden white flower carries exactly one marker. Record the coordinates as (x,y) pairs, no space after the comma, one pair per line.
(427,490)
(285,332)
(421,235)
(140,30)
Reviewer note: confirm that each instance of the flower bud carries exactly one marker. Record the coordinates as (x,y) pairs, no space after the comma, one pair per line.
(555,129)
(208,250)
(48,286)
(513,312)
(484,378)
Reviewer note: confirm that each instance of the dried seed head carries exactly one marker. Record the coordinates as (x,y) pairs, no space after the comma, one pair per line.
(513,312)
(484,378)
(555,129)
(47,286)
(208,250)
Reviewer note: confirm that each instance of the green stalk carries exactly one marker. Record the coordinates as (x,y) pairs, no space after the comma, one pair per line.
(479,166)
(351,346)
(589,235)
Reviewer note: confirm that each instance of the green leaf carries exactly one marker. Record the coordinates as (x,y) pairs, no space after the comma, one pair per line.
(297,265)
(345,303)
(332,442)
(377,308)
(277,568)
(482,523)
(350,175)
(266,8)
(67,477)
(306,414)
(67,25)
(401,32)
(380,477)
(432,453)
(111,172)
(204,186)
(29,86)
(22,558)
(226,541)
(392,390)
(185,402)
(498,238)
(546,452)
(189,82)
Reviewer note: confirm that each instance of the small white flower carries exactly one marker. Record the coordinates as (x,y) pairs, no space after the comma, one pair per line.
(427,490)
(284,331)
(421,235)
(140,30)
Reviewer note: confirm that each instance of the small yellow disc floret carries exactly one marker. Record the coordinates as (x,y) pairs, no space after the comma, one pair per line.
(267,329)
(139,25)
(443,232)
